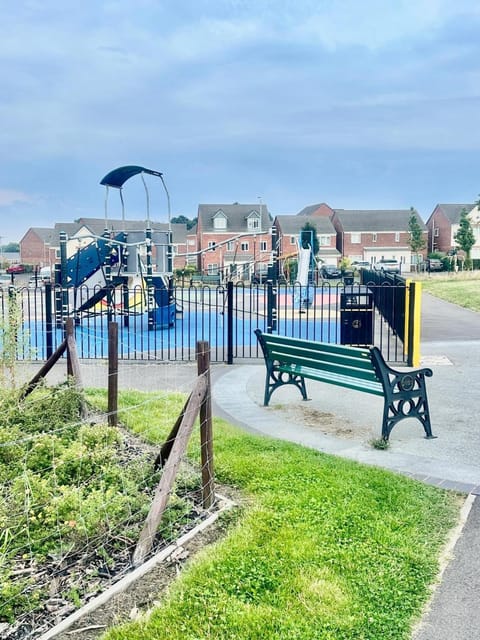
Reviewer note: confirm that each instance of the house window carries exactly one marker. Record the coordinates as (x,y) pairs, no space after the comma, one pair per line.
(263,245)
(244,246)
(324,241)
(230,246)
(374,237)
(219,221)
(355,238)
(397,236)
(212,269)
(211,245)
(253,222)
(293,240)
(436,232)
(191,243)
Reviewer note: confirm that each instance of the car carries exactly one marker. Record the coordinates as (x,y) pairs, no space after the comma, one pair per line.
(330,271)
(387,266)
(434,264)
(361,264)
(16,268)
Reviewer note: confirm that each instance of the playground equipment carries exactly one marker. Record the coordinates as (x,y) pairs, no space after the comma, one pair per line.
(129,271)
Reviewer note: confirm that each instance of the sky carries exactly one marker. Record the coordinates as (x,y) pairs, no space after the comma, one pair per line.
(362,104)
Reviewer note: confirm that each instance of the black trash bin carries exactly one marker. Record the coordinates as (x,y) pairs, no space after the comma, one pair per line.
(356,316)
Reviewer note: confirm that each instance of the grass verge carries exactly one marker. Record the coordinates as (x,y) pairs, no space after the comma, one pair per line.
(460,289)
(326,549)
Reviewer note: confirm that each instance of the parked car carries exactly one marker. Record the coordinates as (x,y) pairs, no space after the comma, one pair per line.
(330,271)
(361,264)
(434,264)
(387,266)
(16,268)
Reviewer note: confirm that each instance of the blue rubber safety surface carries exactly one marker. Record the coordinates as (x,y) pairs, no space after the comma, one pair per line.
(91,334)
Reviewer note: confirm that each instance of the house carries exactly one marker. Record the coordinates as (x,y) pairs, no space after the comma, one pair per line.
(289,227)
(371,235)
(443,224)
(233,239)
(41,246)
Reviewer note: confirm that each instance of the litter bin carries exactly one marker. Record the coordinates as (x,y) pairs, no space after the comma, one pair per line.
(356,315)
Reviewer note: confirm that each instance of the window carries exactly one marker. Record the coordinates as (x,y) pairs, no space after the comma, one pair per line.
(397,236)
(191,243)
(324,241)
(211,245)
(293,240)
(436,232)
(253,223)
(230,246)
(374,237)
(244,246)
(263,245)
(355,238)
(219,221)
(212,269)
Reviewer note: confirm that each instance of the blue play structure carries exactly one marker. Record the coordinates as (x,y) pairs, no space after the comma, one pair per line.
(126,270)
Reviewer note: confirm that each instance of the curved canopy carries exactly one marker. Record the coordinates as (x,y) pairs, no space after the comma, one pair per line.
(118,177)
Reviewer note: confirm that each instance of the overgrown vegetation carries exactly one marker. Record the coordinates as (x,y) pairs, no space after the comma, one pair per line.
(322,547)
(69,489)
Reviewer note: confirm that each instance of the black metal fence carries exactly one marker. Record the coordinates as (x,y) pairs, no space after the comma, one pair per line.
(226,316)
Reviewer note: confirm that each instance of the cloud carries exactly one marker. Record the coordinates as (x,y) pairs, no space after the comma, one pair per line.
(9,197)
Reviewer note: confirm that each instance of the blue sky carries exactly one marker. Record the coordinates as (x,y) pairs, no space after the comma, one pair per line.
(360,104)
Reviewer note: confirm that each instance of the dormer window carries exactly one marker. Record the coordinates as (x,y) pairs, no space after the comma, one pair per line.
(253,221)
(219,220)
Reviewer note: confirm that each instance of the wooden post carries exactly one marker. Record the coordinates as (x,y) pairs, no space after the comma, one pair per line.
(167,479)
(113,374)
(73,363)
(206,431)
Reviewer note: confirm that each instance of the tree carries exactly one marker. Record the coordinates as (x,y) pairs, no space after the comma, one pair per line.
(309,238)
(465,238)
(184,220)
(417,239)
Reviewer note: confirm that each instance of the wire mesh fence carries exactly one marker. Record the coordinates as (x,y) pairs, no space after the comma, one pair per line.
(76,494)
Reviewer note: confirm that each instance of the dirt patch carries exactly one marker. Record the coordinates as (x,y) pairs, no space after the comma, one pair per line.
(326,423)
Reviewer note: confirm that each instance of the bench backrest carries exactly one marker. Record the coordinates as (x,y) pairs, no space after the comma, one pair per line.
(295,352)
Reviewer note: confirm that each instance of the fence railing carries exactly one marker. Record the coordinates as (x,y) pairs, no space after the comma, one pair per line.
(226,316)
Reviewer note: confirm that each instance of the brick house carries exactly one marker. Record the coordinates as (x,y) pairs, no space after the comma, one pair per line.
(233,239)
(288,228)
(443,224)
(375,234)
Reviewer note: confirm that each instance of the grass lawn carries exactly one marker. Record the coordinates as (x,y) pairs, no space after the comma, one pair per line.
(323,548)
(461,289)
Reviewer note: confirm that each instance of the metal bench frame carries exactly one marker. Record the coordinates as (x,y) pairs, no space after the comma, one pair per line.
(292,360)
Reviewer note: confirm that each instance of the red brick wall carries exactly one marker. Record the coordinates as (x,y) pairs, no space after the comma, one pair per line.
(442,242)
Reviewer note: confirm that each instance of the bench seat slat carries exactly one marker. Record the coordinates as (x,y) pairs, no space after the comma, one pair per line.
(302,356)
(369,386)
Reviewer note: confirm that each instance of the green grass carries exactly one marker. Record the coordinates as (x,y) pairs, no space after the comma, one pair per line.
(322,549)
(461,289)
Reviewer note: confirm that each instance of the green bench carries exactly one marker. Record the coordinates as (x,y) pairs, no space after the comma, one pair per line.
(292,360)
(207,279)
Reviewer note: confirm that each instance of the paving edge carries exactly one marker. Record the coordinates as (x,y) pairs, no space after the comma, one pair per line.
(132,576)
(446,556)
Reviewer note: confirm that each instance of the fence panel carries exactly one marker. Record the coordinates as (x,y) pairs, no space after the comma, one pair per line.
(225,316)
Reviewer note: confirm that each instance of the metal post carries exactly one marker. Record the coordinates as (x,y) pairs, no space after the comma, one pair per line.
(229,322)
(112,374)
(48,320)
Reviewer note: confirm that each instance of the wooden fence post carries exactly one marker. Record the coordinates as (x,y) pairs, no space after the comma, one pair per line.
(167,479)
(206,431)
(113,374)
